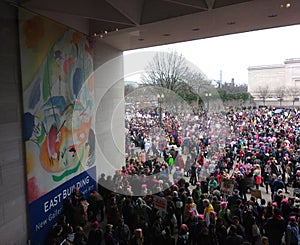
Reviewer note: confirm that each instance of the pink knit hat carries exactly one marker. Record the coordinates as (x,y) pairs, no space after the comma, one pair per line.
(223,204)
(184,228)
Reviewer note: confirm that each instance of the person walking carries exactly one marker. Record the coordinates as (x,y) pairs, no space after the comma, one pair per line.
(233,238)
(193,178)
(292,232)
(95,235)
(122,233)
(267,178)
(275,228)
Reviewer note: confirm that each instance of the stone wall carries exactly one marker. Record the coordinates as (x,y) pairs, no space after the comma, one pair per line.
(13,215)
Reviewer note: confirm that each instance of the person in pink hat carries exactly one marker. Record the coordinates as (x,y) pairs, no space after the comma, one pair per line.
(95,235)
(183,235)
(138,237)
(275,227)
(225,214)
(212,218)
(196,193)
(190,208)
(292,232)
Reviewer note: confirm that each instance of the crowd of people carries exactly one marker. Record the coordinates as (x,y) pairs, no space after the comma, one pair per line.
(204,165)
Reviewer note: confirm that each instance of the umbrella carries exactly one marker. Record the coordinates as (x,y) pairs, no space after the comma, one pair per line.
(278,111)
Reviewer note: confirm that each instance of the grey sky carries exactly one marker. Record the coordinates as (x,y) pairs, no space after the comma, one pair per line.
(233,54)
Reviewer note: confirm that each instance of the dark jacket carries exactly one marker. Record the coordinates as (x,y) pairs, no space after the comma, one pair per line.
(95,237)
(234,239)
(274,229)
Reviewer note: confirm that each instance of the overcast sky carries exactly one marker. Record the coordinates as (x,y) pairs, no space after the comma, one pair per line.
(233,54)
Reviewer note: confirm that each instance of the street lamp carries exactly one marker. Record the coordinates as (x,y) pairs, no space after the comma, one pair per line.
(160,98)
(207,95)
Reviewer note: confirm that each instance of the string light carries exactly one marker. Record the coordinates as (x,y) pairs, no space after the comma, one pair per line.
(286,5)
(104,33)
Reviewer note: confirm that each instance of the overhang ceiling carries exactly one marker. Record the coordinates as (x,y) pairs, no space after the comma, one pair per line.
(132,24)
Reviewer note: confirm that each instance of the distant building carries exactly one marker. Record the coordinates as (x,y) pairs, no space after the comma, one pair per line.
(275,84)
(232,87)
(134,84)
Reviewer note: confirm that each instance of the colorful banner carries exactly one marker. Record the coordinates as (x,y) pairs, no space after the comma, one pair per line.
(45,211)
(58,102)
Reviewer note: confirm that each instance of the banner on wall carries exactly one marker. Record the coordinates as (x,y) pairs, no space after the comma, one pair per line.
(58,102)
(45,211)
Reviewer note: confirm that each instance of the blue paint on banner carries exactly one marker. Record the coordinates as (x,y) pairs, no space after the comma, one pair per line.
(44,212)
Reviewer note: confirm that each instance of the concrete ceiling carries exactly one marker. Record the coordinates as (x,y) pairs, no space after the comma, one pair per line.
(132,24)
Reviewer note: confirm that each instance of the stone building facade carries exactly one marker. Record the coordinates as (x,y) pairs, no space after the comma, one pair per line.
(277,85)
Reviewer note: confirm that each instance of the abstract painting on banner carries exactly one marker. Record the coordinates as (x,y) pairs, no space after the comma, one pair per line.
(58,103)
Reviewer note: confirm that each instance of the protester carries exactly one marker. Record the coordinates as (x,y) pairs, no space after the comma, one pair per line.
(225,214)
(109,236)
(228,153)
(292,234)
(137,238)
(275,228)
(80,237)
(183,235)
(95,235)
(122,233)
(233,238)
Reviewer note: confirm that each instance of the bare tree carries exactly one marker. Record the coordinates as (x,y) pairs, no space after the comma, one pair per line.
(167,71)
(294,92)
(263,92)
(170,74)
(198,83)
(280,93)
